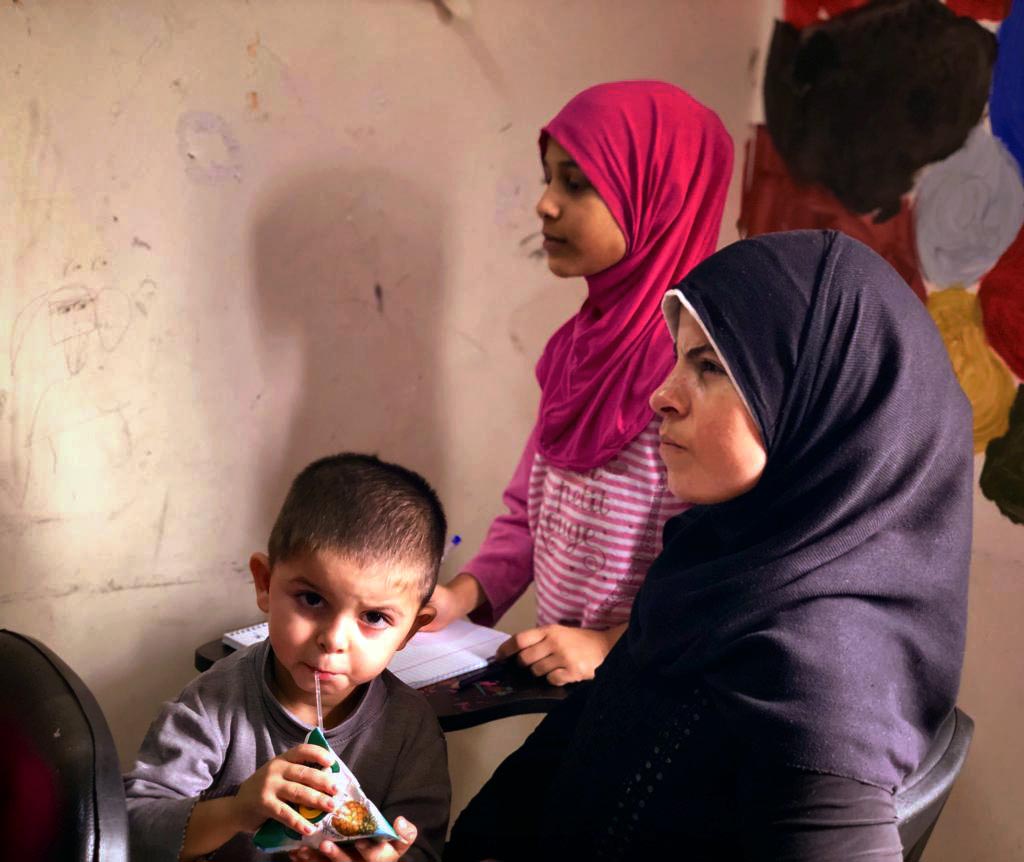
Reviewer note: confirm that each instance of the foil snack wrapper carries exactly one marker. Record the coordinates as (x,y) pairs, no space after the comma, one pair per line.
(354,815)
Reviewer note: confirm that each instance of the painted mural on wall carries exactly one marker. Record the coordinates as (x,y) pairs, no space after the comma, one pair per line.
(901,123)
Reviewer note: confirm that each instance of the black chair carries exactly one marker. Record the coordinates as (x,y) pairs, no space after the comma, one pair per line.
(919,802)
(61,718)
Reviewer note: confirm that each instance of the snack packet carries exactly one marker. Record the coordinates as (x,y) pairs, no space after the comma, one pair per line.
(354,815)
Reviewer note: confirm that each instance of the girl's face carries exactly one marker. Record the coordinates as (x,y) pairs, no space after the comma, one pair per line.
(709,441)
(581,237)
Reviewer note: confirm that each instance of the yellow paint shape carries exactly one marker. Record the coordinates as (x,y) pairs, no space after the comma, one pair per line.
(986,381)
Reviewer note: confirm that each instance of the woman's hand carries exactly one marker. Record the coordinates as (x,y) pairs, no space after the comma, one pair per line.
(363,850)
(460,596)
(286,779)
(563,654)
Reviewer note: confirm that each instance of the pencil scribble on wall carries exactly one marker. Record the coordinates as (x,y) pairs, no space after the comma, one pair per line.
(860,102)
(512,206)
(57,357)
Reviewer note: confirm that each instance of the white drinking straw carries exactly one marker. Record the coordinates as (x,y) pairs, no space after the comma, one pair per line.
(319,708)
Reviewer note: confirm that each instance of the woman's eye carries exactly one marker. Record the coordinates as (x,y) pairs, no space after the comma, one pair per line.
(576,184)
(709,367)
(376,620)
(310,600)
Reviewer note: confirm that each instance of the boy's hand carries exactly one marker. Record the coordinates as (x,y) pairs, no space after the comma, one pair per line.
(563,654)
(364,850)
(286,778)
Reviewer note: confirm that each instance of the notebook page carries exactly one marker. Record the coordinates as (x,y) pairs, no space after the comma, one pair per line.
(245,637)
(458,648)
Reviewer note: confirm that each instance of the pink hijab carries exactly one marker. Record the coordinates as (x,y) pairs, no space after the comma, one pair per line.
(661,162)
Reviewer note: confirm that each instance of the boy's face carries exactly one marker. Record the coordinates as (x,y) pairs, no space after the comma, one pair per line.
(331,616)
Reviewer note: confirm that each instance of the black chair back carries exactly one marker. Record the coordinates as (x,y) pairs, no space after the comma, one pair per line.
(919,802)
(60,716)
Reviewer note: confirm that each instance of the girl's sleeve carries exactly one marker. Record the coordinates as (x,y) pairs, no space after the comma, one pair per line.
(178,760)
(497,823)
(504,564)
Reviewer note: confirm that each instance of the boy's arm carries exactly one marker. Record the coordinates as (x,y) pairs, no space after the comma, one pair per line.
(421,790)
(210,827)
(182,755)
(179,758)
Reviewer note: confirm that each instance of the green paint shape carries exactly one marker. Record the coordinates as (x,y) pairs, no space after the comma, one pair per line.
(1002,477)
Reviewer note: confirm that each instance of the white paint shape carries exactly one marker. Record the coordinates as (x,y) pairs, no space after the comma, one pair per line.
(969,209)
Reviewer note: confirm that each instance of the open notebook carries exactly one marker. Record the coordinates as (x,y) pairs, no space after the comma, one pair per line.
(429,657)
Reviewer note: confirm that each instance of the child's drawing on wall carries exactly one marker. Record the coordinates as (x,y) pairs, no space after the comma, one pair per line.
(63,412)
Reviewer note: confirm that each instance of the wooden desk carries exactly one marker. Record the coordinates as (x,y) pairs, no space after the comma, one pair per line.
(513,691)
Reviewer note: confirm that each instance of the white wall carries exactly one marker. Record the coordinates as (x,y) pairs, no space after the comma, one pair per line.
(201,200)
(203,197)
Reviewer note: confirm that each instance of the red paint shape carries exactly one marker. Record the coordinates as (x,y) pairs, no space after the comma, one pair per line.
(1001,295)
(800,13)
(982,10)
(773,201)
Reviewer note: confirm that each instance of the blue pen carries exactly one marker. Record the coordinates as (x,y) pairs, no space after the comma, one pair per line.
(456,541)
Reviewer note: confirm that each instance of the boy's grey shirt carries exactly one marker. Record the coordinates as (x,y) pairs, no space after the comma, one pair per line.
(227,723)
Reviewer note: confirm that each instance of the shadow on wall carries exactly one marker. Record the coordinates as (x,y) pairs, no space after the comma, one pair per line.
(347,268)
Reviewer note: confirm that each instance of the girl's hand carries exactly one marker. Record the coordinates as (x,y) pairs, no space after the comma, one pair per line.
(563,654)
(364,850)
(460,596)
(286,778)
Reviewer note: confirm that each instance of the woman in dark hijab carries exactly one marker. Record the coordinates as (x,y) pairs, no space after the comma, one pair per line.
(800,638)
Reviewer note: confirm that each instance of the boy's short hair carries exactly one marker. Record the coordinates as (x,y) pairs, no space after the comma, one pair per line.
(366,509)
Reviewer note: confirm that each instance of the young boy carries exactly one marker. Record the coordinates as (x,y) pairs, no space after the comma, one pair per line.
(353,558)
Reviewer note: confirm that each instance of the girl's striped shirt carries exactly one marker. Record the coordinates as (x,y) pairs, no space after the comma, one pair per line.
(586,539)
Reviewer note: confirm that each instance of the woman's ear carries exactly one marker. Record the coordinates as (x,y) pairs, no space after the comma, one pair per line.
(259,565)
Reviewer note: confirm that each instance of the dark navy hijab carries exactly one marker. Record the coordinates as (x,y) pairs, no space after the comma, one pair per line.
(826,607)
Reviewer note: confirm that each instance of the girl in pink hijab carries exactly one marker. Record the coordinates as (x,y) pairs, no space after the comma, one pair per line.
(636,174)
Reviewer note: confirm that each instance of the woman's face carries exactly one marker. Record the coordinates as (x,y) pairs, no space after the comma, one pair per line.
(709,441)
(581,237)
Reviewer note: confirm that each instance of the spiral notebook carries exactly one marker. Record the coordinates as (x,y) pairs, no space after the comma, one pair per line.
(429,657)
